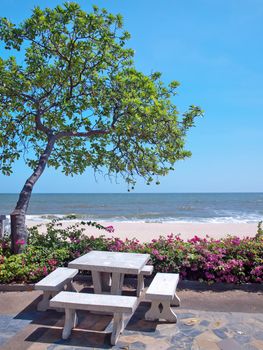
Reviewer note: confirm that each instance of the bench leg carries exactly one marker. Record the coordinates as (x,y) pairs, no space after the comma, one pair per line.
(43,305)
(71,321)
(160,310)
(58,309)
(176,300)
(140,284)
(118,326)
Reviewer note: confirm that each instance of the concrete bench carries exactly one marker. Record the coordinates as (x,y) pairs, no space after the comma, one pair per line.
(54,283)
(116,304)
(162,294)
(146,271)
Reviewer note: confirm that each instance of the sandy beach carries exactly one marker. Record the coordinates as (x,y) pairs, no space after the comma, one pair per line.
(145,232)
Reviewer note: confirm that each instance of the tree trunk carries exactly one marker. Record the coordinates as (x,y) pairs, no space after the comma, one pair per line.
(18,216)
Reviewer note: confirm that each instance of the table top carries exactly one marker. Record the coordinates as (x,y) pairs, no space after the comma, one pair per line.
(130,263)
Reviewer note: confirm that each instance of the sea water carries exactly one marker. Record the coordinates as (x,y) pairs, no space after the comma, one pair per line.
(145,207)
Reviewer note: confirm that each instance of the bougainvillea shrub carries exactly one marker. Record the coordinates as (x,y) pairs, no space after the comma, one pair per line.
(230,260)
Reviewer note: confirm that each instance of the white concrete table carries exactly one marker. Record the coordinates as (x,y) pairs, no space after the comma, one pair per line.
(102,264)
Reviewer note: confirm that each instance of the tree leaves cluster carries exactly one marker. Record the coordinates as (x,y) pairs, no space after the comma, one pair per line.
(77,86)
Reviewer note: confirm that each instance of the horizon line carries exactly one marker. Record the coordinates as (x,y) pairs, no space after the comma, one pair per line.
(205,192)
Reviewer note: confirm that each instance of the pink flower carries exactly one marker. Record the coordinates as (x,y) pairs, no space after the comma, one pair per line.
(52,262)
(195,239)
(236,241)
(109,229)
(194,267)
(257,271)
(183,273)
(209,275)
(155,252)
(20,241)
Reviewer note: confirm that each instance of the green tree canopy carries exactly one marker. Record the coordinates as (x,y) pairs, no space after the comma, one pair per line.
(77,101)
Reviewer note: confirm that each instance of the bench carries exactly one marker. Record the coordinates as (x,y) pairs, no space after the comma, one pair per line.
(162,294)
(116,304)
(147,270)
(54,283)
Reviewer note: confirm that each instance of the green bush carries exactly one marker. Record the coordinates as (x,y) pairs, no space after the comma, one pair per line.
(230,260)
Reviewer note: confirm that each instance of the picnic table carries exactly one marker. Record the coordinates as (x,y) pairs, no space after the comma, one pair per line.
(104,264)
(161,293)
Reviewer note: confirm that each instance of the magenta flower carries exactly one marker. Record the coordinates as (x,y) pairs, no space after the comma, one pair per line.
(52,262)
(20,241)
(195,239)
(109,229)
(155,252)
(209,275)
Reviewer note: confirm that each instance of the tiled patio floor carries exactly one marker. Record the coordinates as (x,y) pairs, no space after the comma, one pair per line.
(25,328)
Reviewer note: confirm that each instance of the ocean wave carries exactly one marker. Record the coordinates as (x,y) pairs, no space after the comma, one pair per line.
(251,218)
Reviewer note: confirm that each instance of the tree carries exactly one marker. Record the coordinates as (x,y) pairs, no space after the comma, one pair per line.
(76,100)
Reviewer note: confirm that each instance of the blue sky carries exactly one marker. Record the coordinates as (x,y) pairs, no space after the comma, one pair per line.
(215,50)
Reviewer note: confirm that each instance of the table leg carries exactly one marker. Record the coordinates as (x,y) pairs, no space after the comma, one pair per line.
(96,279)
(140,284)
(105,281)
(117,283)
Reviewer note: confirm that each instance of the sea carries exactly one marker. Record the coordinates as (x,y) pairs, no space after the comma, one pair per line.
(144,207)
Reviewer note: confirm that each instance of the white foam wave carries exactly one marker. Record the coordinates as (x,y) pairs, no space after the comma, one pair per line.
(251,218)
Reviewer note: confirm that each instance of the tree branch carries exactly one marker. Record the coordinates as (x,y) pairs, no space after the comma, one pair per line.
(81,134)
(39,125)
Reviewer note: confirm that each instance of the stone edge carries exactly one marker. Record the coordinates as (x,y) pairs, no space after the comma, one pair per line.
(182,285)
(17,287)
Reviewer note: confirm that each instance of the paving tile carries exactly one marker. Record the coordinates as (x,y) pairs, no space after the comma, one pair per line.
(204,323)
(258,344)
(207,345)
(181,346)
(219,323)
(241,327)
(221,332)
(260,319)
(195,346)
(120,346)
(195,330)
(192,332)
(208,336)
(181,338)
(250,347)
(229,344)
(185,315)
(258,335)
(137,345)
(242,338)
(4,339)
